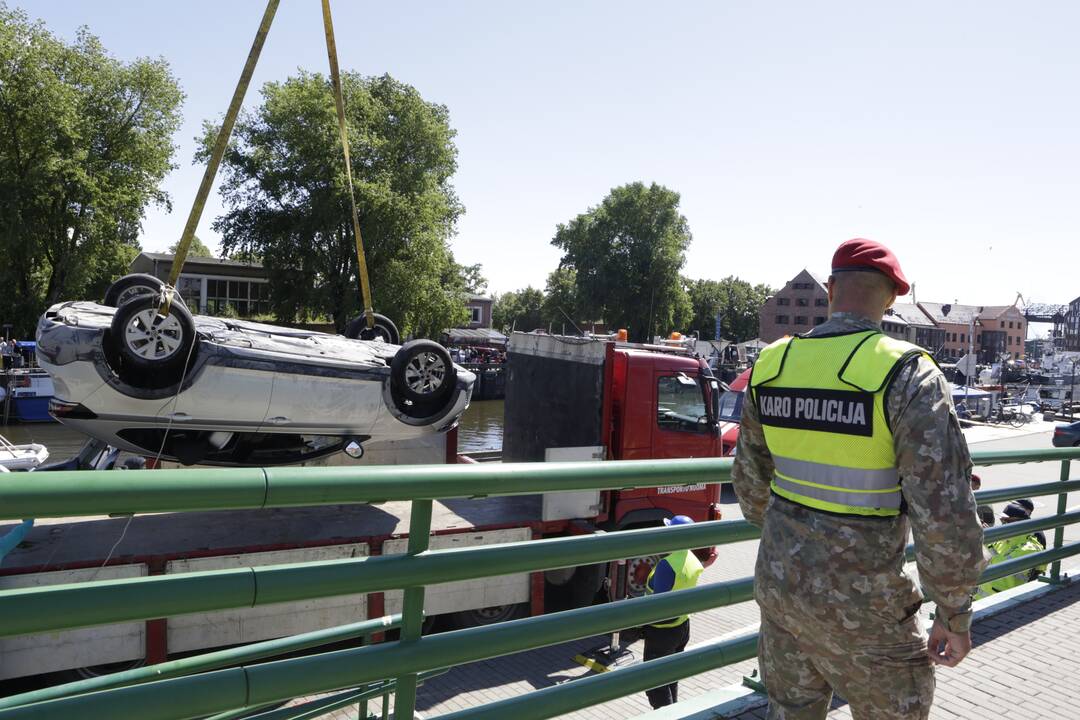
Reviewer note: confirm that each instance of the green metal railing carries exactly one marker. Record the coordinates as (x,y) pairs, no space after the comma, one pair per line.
(224,683)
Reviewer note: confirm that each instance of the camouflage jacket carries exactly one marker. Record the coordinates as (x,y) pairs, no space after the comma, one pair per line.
(820,559)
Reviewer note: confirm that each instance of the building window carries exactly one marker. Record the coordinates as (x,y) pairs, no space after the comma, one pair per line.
(821,302)
(1010,339)
(800,319)
(477,315)
(1010,324)
(818,319)
(802,302)
(781,319)
(243,297)
(1002,323)
(801,286)
(962,338)
(783,301)
(954,337)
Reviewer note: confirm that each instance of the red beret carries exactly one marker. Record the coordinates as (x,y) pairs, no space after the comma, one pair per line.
(862,254)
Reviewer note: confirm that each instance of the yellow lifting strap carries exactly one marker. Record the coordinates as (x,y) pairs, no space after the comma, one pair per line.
(339,101)
(220,144)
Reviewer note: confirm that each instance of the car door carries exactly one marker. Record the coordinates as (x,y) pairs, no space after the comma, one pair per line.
(223,397)
(321,400)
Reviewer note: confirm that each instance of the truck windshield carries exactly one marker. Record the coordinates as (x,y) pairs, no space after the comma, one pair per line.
(731,406)
(681,404)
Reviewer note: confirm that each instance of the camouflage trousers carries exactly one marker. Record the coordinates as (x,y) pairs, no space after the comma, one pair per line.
(887,677)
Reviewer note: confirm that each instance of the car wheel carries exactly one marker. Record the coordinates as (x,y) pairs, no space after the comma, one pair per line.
(152,349)
(384,330)
(422,373)
(132,286)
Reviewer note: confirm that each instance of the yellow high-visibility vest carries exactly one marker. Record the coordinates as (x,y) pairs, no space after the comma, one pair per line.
(687,571)
(1010,549)
(821,401)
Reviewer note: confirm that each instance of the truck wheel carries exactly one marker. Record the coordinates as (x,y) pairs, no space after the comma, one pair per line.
(489,616)
(384,330)
(422,374)
(151,350)
(637,573)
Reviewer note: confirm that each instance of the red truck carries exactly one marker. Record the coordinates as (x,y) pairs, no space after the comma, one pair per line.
(566,398)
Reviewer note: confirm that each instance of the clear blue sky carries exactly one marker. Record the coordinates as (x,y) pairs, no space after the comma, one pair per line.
(947,130)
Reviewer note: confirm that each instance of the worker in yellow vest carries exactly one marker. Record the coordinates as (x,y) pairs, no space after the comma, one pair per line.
(1012,548)
(848,440)
(678,571)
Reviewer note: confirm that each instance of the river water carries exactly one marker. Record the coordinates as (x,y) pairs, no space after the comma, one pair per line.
(481,429)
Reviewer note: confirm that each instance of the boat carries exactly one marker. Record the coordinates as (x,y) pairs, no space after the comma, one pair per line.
(21,457)
(31,390)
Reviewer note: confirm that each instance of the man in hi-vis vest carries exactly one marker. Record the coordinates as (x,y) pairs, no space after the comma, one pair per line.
(849,439)
(678,571)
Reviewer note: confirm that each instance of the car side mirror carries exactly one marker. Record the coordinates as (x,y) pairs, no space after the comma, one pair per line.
(354,450)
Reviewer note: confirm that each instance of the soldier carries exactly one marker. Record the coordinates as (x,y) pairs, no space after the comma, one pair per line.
(849,438)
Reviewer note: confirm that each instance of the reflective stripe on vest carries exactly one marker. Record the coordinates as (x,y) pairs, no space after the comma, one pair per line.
(687,571)
(822,409)
(1010,549)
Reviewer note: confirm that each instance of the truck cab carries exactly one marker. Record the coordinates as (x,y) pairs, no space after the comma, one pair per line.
(613,400)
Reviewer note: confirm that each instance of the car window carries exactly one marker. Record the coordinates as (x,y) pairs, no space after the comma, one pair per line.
(680,404)
(731,406)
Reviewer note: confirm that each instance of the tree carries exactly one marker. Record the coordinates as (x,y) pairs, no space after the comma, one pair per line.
(520,310)
(627,253)
(286,196)
(560,308)
(198,248)
(85,141)
(737,301)
(472,278)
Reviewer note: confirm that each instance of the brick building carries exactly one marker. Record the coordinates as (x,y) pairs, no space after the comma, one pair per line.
(1072,326)
(479,307)
(920,329)
(795,308)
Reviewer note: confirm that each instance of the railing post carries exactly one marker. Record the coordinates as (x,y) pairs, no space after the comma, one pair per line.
(412,611)
(1059,531)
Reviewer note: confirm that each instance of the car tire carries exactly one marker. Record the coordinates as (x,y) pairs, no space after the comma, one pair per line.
(131,286)
(384,330)
(151,351)
(422,374)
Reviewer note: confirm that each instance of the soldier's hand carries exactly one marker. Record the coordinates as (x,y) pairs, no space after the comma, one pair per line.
(948,648)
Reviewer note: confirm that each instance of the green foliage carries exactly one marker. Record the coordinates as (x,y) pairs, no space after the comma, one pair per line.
(519,310)
(627,253)
(286,196)
(198,248)
(85,141)
(472,278)
(737,301)
(560,308)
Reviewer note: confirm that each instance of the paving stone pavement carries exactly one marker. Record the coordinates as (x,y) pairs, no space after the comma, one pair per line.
(1024,666)
(1014,653)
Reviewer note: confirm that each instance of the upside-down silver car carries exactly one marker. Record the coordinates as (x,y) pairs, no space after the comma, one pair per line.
(217,391)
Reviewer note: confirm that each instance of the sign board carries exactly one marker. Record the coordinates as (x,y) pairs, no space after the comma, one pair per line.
(966,365)
(574,503)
